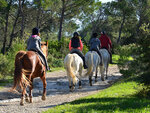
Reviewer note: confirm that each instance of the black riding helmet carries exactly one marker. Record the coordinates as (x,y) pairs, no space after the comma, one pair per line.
(103,32)
(95,35)
(75,33)
(35,31)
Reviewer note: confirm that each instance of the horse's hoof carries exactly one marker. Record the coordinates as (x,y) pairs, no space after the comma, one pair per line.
(43,97)
(72,89)
(21,103)
(31,101)
(80,87)
(102,79)
(27,100)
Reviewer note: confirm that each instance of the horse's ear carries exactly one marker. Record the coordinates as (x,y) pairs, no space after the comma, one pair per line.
(46,43)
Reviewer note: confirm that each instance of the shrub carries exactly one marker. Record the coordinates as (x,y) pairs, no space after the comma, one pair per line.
(5,66)
(7,62)
(126,53)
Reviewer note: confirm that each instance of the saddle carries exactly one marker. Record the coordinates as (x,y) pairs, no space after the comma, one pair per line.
(76,53)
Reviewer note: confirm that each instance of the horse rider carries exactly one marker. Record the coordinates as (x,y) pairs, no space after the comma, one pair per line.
(106,43)
(95,45)
(34,44)
(76,46)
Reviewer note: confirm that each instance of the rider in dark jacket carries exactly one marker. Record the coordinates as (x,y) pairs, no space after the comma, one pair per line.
(34,44)
(76,46)
(95,45)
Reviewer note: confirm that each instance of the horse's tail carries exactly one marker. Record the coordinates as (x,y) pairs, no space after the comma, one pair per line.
(69,68)
(90,64)
(19,78)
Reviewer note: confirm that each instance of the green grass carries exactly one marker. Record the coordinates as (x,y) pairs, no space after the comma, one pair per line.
(57,69)
(116,59)
(120,98)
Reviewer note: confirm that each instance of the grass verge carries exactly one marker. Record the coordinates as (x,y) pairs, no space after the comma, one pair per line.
(119,98)
(57,69)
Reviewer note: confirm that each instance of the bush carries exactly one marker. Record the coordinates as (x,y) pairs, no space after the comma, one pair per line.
(7,62)
(126,54)
(57,50)
(5,66)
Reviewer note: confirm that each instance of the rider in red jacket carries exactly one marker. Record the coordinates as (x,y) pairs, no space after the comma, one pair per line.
(106,43)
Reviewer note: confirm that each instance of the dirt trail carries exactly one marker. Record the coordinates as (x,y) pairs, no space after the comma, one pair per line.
(57,92)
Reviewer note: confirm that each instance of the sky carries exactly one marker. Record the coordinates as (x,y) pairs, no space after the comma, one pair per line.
(104,1)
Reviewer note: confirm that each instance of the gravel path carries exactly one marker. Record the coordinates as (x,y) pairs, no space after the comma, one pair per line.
(57,92)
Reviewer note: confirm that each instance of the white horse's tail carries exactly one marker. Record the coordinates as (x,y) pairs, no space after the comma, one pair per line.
(69,68)
(90,64)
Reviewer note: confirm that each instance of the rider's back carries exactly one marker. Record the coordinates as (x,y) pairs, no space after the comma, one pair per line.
(34,43)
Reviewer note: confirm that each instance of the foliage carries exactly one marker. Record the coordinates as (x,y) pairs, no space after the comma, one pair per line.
(125,53)
(57,50)
(120,98)
(7,62)
(143,57)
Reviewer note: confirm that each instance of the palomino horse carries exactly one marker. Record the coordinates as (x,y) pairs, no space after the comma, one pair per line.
(93,62)
(27,67)
(73,64)
(106,59)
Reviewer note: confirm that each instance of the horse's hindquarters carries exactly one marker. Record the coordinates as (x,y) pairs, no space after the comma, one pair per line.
(73,64)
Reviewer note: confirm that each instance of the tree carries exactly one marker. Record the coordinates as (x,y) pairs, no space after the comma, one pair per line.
(72,9)
(6,25)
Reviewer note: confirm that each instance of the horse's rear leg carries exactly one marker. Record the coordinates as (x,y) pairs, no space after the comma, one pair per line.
(102,70)
(43,78)
(71,87)
(96,74)
(30,88)
(22,96)
(26,97)
(80,74)
(90,79)
(106,72)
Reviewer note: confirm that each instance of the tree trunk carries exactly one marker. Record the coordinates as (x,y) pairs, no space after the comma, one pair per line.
(22,22)
(12,35)
(6,27)
(120,30)
(61,20)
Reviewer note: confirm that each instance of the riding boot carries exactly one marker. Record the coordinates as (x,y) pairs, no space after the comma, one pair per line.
(48,68)
(84,64)
(46,65)
(111,59)
(101,63)
(44,58)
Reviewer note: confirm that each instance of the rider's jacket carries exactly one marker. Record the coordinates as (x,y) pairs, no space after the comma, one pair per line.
(105,42)
(94,43)
(34,43)
(75,43)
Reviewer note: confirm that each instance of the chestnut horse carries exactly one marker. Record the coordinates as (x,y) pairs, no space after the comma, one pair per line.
(27,67)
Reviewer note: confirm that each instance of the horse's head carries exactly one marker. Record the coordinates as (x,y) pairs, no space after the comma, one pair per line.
(44,47)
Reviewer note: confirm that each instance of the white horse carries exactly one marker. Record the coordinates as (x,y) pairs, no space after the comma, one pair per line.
(73,65)
(93,60)
(106,59)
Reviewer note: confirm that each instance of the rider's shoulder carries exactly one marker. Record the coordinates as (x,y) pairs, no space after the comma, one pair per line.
(37,37)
